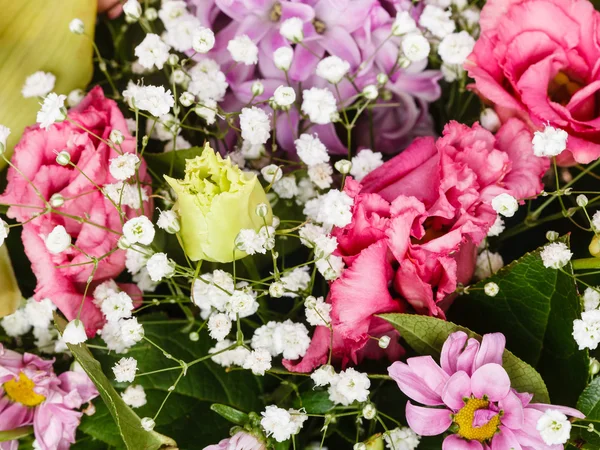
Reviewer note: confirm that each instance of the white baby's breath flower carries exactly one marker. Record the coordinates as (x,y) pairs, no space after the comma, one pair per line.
(179,35)
(556,255)
(291,339)
(489,120)
(123,166)
(255,125)
(286,187)
(550,142)
(139,230)
(58,240)
(4,230)
(282,57)
(169,221)
(292,29)
(311,150)
(324,375)
(554,427)
(403,24)
(318,311)
(148,423)
(208,81)
(281,424)
(74,333)
(203,40)
(132,9)
(152,52)
(207,109)
(505,204)
(331,267)
(364,163)
(332,69)
(271,173)
(349,386)
(219,326)
(487,264)
(319,105)
(591,298)
(415,47)
(401,439)
(284,96)
(258,361)
(76,26)
(491,289)
(53,110)
(17,323)
(125,369)
(455,47)
(586,331)
(160,266)
(154,99)
(134,396)
(4,133)
(250,242)
(243,50)
(437,21)
(38,84)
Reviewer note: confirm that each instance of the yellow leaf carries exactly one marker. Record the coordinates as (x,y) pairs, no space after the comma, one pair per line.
(10,295)
(34,35)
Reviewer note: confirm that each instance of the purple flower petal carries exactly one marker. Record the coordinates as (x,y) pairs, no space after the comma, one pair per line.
(427,421)
(492,381)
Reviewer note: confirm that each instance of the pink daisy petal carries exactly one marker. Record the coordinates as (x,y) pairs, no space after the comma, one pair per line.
(492,381)
(453,442)
(428,370)
(412,385)
(457,388)
(452,348)
(505,440)
(427,421)
(490,350)
(513,409)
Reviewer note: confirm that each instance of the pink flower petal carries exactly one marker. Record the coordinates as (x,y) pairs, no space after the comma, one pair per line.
(466,359)
(454,442)
(428,370)
(513,411)
(505,440)
(490,350)
(412,385)
(492,381)
(451,349)
(456,389)
(427,421)
(563,409)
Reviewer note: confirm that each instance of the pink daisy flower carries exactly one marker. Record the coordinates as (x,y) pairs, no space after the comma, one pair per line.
(470,396)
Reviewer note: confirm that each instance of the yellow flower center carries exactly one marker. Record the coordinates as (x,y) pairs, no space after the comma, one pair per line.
(561,88)
(464,419)
(275,13)
(21,391)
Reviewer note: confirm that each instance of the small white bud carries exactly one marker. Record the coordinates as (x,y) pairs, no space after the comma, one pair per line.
(282,57)
(151,14)
(594,366)
(403,62)
(505,204)
(193,336)
(203,40)
(370,92)
(74,333)
(57,200)
(132,9)
(276,290)
(582,200)
(292,29)
(369,411)
(257,88)
(343,166)
(384,342)
(148,424)
(116,137)
(382,78)
(178,76)
(123,243)
(63,158)
(489,120)
(76,26)
(74,98)
(262,209)
(172,60)
(186,99)
(491,289)
(552,235)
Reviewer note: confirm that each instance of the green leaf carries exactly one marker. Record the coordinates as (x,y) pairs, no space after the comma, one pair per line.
(426,335)
(314,402)
(171,163)
(128,422)
(10,295)
(589,401)
(186,416)
(233,415)
(16,433)
(535,309)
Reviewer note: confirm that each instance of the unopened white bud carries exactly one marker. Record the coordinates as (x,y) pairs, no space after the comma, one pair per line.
(57,200)
(489,120)
(359,446)
(172,60)
(178,76)
(148,423)
(151,14)
(132,9)
(552,235)
(594,366)
(382,78)
(343,166)
(193,336)
(491,289)
(123,243)
(63,158)
(116,137)
(369,411)
(262,209)
(186,99)
(370,92)
(384,342)
(257,88)
(276,289)
(76,26)
(582,200)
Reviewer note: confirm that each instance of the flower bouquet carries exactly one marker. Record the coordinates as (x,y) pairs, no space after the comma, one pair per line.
(310,224)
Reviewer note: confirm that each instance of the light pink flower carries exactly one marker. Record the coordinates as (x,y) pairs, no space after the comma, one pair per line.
(537,59)
(32,394)
(239,441)
(416,224)
(472,390)
(100,228)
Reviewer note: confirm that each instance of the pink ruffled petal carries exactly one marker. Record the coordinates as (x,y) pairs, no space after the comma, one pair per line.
(412,385)
(492,381)
(427,421)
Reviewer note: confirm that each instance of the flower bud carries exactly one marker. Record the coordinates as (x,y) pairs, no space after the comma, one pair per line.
(582,200)
(187,99)
(359,446)
(148,424)
(173,59)
(193,336)
(403,62)
(74,332)
(75,97)
(489,120)
(369,411)
(202,215)
(151,14)
(257,88)
(491,289)
(310,302)
(594,247)
(343,166)
(76,26)
(370,92)
(57,200)
(63,158)
(276,289)
(382,78)
(262,210)
(123,243)
(384,342)
(116,137)
(282,57)
(132,9)
(594,366)
(552,235)
(178,75)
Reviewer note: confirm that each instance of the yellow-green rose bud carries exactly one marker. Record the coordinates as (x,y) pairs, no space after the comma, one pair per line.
(215,201)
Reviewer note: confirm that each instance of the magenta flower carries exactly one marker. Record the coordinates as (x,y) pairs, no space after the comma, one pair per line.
(32,394)
(470,395)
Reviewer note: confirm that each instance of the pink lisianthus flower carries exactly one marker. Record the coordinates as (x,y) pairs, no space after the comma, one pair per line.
(32,394)
(239,441)
(416,223)
(92,220)
(537,59)
(472,391)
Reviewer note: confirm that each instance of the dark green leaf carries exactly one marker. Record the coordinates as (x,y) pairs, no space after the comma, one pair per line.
(233,415)
(172,162)
(16,433)
(426,335)
(315,402)
(589,401)
(128,422)
(535,309)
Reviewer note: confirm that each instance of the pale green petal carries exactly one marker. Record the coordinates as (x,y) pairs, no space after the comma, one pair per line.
(34,35)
